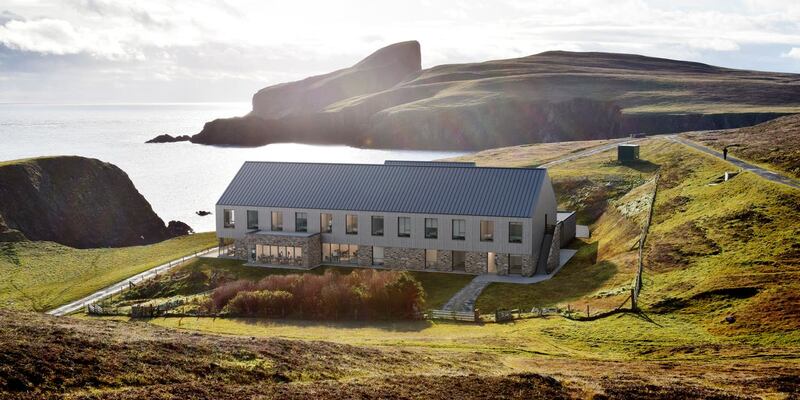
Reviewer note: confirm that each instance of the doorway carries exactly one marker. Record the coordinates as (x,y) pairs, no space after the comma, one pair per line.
(491,262)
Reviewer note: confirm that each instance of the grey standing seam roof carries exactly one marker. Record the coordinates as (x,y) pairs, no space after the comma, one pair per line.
(395,188)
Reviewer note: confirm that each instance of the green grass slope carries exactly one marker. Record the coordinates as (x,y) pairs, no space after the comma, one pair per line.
(43,275)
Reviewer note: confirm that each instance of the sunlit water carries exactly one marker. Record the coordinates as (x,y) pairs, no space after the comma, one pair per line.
(176,178)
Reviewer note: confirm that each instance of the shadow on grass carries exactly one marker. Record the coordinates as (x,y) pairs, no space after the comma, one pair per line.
(641,165)
(579,278)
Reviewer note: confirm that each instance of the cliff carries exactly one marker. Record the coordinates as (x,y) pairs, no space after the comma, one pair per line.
(79,202)
(386,101)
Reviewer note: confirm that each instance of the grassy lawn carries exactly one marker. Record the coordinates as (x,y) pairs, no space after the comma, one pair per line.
(528,155)
(439,287)
(43,275)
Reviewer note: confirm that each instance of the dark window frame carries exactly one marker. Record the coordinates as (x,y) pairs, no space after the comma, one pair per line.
(297,219)
(406,224)
(272,224)
(229,218)
(351,224)
(435,234)
(249,224)
(489,223)
(511,239)
(373,219)
(463,232)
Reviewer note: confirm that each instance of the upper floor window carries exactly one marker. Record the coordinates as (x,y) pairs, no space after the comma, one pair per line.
(252,219)
(377,225)
(352,225)
(228,218)
(431,228)
(326,223)
(301,222)
(277,221)
(459,229)
(487,231)
(403,226)
(515,232)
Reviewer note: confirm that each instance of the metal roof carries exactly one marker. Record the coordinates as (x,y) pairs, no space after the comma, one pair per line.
(418,189)
(431,163)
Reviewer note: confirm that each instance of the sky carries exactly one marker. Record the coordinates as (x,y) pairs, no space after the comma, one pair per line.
(103,51)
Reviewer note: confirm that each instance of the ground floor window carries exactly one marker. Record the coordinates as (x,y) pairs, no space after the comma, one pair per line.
(377,255)
(459,260)
(514,264)
(340,253)
(283,255)
(431,257)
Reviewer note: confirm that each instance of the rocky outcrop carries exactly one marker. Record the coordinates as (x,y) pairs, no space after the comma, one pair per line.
(386,101)
(380,71)
(179,228)
(166,138)
(79,202)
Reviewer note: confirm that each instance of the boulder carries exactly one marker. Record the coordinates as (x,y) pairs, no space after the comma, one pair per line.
(76,201)
(178,228)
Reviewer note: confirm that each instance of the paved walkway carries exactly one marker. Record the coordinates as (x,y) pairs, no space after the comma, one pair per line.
(764,173)
(464,299)
(119,286)
(589,152)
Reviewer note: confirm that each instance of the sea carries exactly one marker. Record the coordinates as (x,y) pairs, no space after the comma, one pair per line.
(177,179)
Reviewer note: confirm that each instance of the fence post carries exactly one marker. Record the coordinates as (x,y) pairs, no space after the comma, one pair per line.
(587,311)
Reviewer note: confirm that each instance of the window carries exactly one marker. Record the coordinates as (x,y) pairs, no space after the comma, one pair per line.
(377,225)
(459,229)
(514,264)
(515,232)
(228,218)
(404,226)
(459,260)
(352,225)
(326,223)
(430,258)
(377,255)
(284,255)
(340,253)
(431,228)
(277,221)
(487,231)
(301,222)
(252,219)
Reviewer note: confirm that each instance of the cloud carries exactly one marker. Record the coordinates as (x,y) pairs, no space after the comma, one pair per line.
(793,53)
(53,36)
(715,44)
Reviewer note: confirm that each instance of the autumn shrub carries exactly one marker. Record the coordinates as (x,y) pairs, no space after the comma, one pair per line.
(361,294)
(260,303)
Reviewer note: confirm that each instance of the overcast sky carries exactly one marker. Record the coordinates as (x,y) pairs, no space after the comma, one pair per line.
(83,51)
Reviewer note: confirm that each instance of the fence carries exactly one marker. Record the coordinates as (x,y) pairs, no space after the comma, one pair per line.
(467,316)
(637,280)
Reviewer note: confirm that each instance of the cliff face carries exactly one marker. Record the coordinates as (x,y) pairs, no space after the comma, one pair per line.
(387,101)
(79,202)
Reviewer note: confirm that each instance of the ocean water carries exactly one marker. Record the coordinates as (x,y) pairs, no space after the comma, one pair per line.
(176,178)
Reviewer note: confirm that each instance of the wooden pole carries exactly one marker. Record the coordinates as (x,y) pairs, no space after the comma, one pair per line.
(587,311)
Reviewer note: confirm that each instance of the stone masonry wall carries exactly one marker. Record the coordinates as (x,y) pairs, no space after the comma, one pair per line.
(475,263)
(553,256)
(528,265)
(312,247)
(403,258)
(365,256)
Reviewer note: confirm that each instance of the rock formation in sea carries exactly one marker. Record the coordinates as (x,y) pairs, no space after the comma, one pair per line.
(76,201)
(166,138)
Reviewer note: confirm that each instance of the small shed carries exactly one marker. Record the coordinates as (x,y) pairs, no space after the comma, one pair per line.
(627,152)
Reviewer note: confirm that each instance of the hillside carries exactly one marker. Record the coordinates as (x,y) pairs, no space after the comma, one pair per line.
(78,202)
(547,97)
(775,144)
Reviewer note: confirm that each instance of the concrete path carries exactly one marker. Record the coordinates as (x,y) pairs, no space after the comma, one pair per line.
(464,299)
(764,173)
(588,152)
(119,286)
